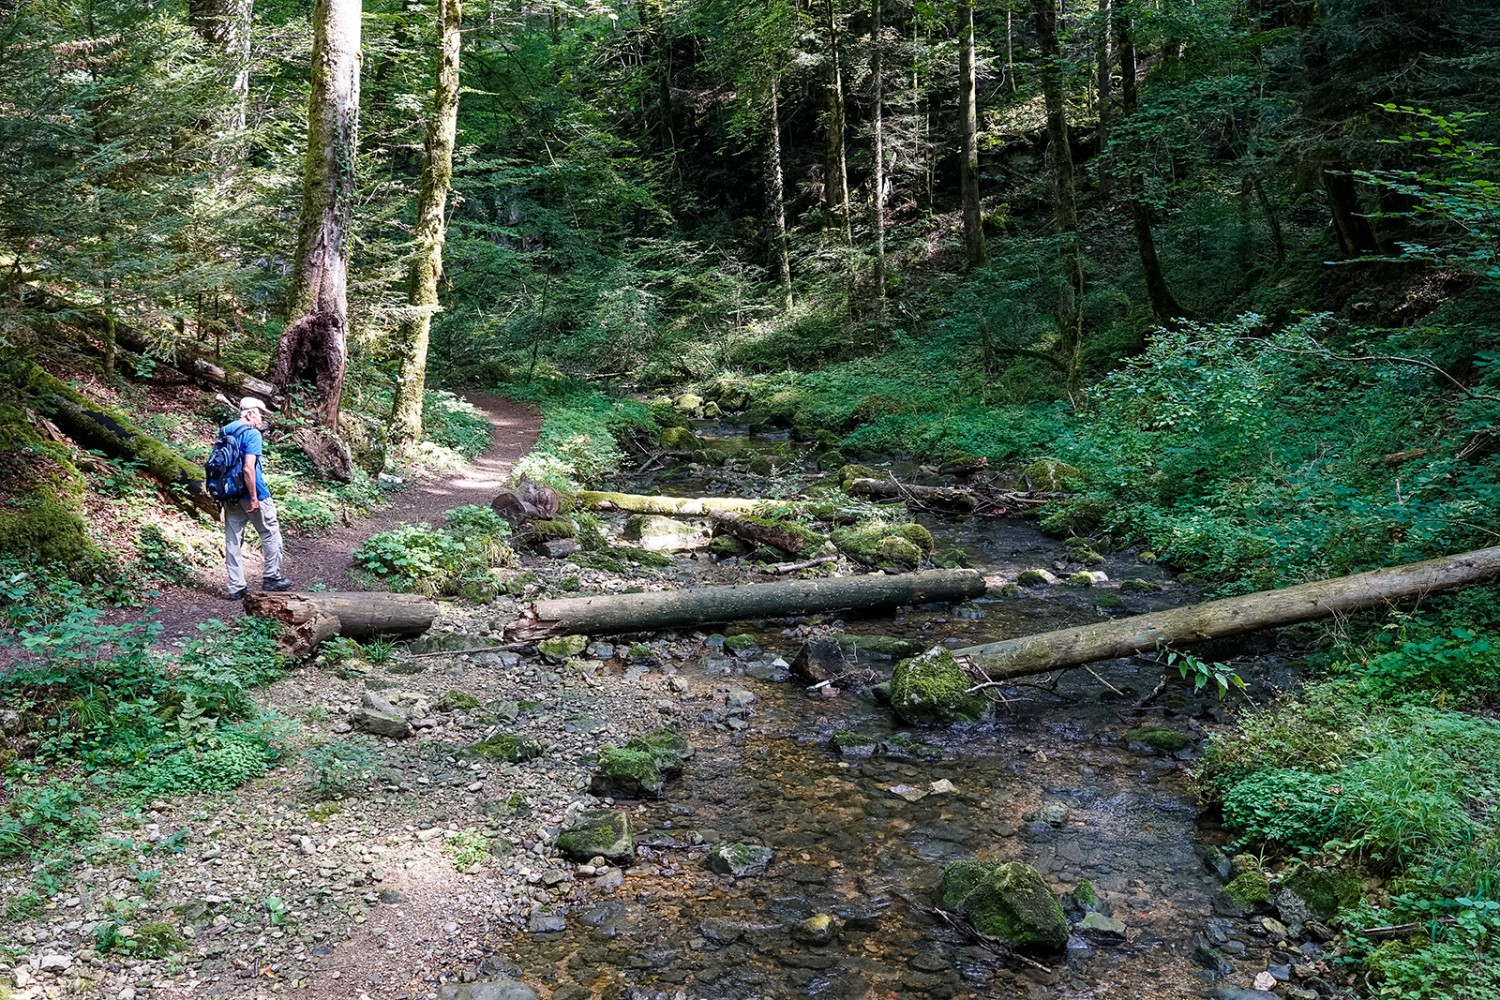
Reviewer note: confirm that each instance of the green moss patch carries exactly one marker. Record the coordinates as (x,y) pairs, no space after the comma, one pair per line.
(1010,901)
(1160,738)
(933,689)
(508,747)
(603,833)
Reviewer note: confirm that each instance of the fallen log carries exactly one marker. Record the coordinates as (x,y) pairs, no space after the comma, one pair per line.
(300,641)
(788,538)
(360,615)
(1037,654)
(636,503)
(110,431)
(613,613)
(947,497)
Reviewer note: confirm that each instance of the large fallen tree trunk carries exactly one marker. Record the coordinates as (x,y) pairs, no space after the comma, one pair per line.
(614,613)
(785,537)
(946,497)
(110,431)
(1037,654)
(196,365)
(636,503)
(360,615)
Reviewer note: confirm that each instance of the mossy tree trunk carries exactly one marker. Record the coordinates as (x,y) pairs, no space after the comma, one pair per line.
(835,160)
(1104,60)
(975,251)
(877,128)
(414,330)
(112,432)
(776,182)
(1069,304)
(311,356)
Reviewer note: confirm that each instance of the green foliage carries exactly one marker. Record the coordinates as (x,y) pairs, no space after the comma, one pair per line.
(454,423)
(337,768)
(467,849)
(579,425)
(437,560)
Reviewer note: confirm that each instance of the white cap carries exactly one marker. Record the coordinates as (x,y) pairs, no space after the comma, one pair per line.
(251,403)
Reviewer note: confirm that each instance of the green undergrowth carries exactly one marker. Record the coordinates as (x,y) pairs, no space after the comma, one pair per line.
(1388,767)
(577,447)
(105,722)
(457,558)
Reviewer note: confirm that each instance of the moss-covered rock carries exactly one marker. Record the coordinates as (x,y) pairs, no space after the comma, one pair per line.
(1087,556)
(897,553)
(933,689)
(667,747)
(508,747)
(1160,738)
(1079,579)
(1109,602)
(603,833)
(852,743)
(917,535)
(739,860)
(455,700)
(952,558)
(850,473)
(559,648)
(680,440)
(630,773)
(1049,475)
(688,402)
(1035,578)
(727,547)
(551,531)
(1010,901)
(1323,892)
(1140,586)
(1249,888)
(881,645)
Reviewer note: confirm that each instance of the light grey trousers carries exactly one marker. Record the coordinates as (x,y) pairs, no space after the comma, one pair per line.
(236,516)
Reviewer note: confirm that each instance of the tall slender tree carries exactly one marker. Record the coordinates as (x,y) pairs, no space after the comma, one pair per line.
(225,25)
(1164,305)
(1069,311)
(1103,75)
(776,191)
(877,67)
(975,251)
(835,125)
(312,352)
(414,329)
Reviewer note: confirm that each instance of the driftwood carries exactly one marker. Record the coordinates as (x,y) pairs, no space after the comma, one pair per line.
(782,569)
(360,615)
(615,613)
(1037,654)
(946,497)
(755,532)
(110,431)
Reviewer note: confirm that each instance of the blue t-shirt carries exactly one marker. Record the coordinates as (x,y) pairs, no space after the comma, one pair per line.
(252,443)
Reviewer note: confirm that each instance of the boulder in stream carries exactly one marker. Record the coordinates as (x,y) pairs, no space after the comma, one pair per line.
(602,833)
(1007,900)
(933,689)
(489,989)
(739,860)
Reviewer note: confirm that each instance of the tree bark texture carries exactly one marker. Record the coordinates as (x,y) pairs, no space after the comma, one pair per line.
(225,25)
(196,365)
(877,126)
(1356,236)
(111,431)
(747,529)
(975,251)
(835,165)
(361,615)
(1035,654)
(1104,54)
(1069,310)
(776,182)
(615,613)
(312,352)
(1164,305)
(414,329)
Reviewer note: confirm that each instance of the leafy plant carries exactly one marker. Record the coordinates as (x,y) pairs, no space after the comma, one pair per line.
(468,849)
(337,768)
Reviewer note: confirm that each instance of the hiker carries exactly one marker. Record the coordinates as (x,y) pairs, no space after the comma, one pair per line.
(253,506)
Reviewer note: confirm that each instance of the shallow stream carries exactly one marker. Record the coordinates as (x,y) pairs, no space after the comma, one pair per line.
(1053,781)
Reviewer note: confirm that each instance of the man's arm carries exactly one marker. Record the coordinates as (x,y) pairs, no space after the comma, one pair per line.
(250,489)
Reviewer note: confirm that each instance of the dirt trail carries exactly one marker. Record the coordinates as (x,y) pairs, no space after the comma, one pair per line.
(326,560)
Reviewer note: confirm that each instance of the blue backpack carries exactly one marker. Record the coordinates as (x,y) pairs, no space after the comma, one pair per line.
(224,472)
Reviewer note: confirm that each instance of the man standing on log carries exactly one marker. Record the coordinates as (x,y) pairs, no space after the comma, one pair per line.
(253,507)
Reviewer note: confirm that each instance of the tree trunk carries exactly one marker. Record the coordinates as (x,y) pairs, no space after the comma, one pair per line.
(975,251)
(835,165)
(776,182)
(196,365)
(1069,311)
(312,352)
(664,81)
(636,503)
(946,497)
(615,613)
(415,326)
(361,615)
(1164,305)
(1103,76)
(756,532)
(1036,654)
(112,432)
(877,33)
(225,25)
(1278,242)
(1356,237)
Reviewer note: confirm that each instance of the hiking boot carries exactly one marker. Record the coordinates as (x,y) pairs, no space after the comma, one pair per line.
(237,595)
(276,583)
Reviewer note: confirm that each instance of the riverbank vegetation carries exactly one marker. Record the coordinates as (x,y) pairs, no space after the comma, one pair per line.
(1232,266)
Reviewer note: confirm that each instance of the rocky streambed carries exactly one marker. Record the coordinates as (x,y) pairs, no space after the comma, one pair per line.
(797,849)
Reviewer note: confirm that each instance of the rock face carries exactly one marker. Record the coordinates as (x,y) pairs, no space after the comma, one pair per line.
(1007,900)
(604,833)
(932,689)
(380,723)
(740,860)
